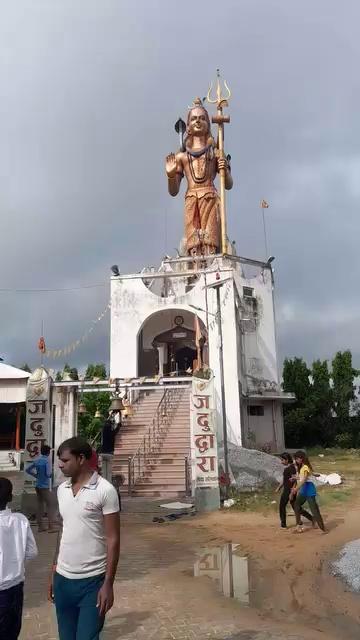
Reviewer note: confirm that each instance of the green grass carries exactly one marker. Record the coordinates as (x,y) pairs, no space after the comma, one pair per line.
(263,501)
(343,461)
(332,496)
(260,501)
(346,462)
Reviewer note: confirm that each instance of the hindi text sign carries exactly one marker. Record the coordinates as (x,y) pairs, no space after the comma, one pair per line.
(38,412)
(203,434)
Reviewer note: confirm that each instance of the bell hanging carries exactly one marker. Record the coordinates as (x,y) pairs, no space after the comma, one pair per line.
(82,408)
(116,404)
(98,413)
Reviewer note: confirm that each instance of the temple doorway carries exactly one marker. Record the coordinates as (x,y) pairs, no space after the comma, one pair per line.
(184,358)
(171,343)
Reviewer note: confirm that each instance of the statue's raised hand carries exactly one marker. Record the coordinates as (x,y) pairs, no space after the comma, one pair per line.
(171,165)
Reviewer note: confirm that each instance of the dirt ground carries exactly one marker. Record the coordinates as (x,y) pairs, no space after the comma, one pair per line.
(292,594)
(290,578)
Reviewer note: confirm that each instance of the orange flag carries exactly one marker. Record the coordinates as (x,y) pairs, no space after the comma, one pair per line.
(41,345)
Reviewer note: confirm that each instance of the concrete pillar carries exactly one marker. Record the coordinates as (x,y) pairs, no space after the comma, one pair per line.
(161,352)
(17,428)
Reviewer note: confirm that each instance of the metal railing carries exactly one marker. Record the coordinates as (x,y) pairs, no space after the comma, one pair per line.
(151,444)
(96,440)
(188,488)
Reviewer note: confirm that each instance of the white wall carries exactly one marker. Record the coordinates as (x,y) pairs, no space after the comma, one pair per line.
(260,345)
(65,401)
(266,430)
(132,306)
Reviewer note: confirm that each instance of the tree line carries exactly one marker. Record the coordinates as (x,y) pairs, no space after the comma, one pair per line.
(326,411)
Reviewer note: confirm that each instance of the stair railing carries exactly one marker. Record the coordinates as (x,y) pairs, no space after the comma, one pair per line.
(188,476)
(153,439)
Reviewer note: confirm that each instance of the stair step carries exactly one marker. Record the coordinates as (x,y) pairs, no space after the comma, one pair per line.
(166,475)
(164,472)
(171,448)
(167,465)
(149,493)
(159,486)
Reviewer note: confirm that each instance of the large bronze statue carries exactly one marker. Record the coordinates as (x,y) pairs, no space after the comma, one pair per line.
(200,160)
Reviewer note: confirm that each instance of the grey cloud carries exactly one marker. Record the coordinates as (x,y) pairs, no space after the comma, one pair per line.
(89,93)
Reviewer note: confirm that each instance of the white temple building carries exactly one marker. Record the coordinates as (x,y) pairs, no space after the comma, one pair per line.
(206,309)
(159,320)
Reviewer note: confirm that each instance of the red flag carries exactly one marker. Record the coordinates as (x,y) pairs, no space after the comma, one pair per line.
(41,345)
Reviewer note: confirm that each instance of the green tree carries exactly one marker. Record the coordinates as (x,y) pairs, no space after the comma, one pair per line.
(320,404)
(295,426)
(88,426)
(343,376)
(296,379)
(97,370)
(71,371)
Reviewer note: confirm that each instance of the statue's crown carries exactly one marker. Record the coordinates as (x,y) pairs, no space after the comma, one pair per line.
(197,103)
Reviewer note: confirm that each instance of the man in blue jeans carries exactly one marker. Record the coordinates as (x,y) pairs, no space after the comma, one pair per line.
(41,470)
(89,546)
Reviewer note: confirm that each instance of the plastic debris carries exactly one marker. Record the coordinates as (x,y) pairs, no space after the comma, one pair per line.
(229,503)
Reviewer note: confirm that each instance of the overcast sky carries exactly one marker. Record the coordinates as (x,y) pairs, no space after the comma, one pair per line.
(89,93)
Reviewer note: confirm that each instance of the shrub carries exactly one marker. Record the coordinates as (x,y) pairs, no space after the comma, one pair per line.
(344,440)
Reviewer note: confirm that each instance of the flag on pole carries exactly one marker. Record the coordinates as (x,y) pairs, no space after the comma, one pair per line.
(41,345)
(198,341)
(264,204)
(198,334)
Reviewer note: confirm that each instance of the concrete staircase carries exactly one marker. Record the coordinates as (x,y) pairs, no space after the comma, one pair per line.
(163,472)
(5,463)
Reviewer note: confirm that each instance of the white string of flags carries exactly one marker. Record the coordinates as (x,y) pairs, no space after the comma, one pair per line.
(65,351)
(58,353)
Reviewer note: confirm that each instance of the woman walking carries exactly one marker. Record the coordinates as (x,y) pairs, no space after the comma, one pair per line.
(305,490)
(289,480)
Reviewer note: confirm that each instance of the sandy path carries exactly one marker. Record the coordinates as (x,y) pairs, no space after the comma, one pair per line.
(290,583)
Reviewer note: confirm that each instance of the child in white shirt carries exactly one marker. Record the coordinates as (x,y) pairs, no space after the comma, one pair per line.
(17,544)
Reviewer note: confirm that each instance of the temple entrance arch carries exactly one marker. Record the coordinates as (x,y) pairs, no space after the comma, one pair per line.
(171,342)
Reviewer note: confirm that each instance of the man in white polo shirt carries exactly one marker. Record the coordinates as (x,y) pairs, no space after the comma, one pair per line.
(88,554)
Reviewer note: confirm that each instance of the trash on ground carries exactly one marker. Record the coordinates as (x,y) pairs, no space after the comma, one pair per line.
(333,479)
(176,505)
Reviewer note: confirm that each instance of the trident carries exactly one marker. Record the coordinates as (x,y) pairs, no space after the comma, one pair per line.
(220,119)
(180,128)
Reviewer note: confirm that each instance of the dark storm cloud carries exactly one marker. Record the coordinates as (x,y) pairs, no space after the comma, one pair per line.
(89,93)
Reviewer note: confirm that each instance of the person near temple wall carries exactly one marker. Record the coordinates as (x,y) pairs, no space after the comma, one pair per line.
(42,471)
(110,428)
